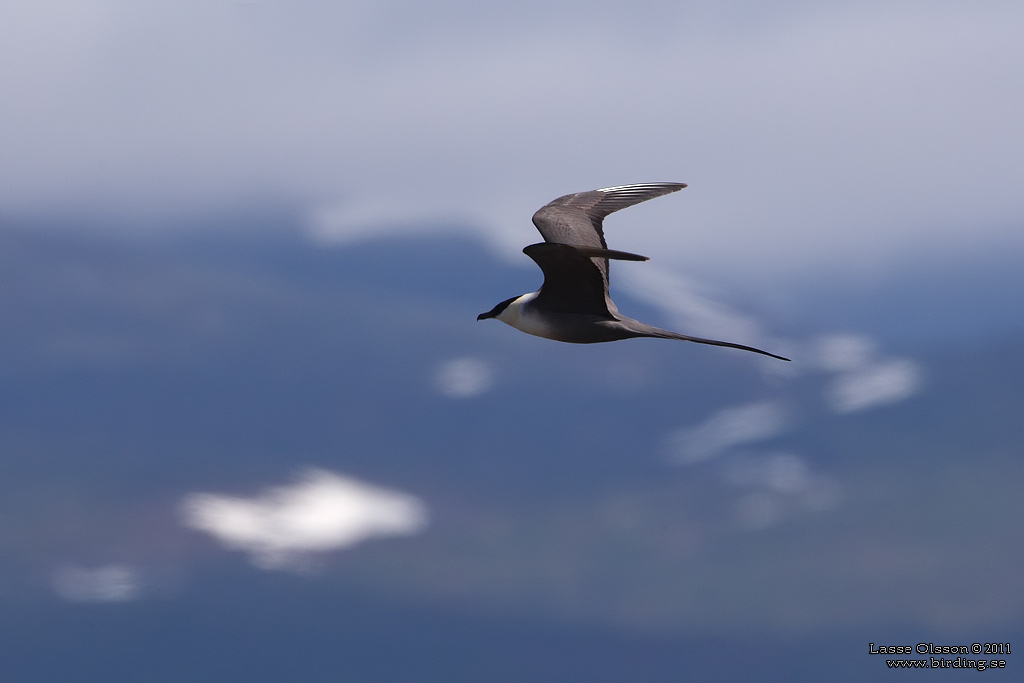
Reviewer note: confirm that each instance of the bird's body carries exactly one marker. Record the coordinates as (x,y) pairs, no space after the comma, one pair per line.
(573,304)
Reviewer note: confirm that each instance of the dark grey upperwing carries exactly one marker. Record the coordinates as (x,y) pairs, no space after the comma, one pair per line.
(573,283)
(577,219)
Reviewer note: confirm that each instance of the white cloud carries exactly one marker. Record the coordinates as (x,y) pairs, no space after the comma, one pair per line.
(107,583)
(464,378)
(289,524)
(878,384)
(387,109)
(862,381)
(727,428)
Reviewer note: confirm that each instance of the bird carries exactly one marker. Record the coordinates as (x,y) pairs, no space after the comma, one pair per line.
(573,304)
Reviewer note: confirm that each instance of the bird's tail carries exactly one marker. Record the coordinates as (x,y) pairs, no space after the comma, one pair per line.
(644,330)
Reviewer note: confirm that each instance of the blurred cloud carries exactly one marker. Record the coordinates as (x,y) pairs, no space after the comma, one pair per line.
(727,428)
(863,381)
(840,352)
(781,472)
(783,485)
(809,132)
(878,384)
(107,583)
(464,378)
(288,525)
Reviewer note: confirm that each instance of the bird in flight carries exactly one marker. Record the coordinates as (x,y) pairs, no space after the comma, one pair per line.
(573,303)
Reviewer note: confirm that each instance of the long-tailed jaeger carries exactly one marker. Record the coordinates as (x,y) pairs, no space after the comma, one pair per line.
(573,303)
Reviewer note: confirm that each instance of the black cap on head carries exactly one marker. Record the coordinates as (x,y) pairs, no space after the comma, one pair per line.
(496,311)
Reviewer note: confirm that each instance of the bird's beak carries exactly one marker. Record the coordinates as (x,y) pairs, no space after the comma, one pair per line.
(484,316)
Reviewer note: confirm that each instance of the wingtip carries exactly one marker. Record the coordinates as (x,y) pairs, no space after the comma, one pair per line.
(670,187)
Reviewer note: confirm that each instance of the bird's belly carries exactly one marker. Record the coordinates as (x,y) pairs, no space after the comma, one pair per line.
(575,329)
(533,323)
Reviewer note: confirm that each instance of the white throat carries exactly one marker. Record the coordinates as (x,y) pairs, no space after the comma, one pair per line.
(520,315)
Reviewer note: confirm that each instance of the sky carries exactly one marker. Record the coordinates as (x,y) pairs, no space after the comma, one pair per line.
(842,135)
(171,409)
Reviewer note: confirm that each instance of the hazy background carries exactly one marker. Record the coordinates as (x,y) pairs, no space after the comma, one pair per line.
(251,430)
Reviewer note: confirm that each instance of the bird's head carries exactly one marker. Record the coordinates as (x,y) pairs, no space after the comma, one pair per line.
(497,310)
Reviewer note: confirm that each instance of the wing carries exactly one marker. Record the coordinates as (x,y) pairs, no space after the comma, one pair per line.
(573,283)
(577,219)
